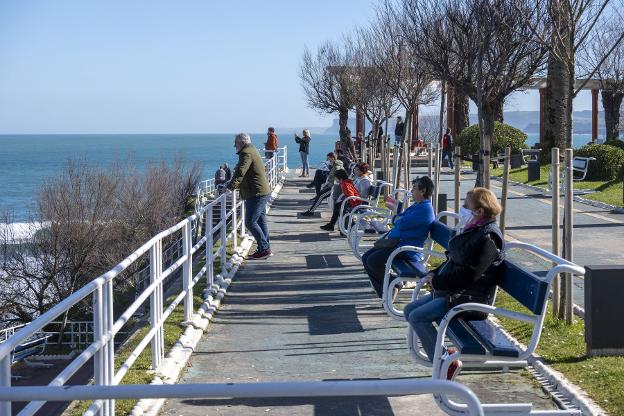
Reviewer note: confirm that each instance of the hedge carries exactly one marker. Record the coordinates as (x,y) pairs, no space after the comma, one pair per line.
(504,136)
(609,161)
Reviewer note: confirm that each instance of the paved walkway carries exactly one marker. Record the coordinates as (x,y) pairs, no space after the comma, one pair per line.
(598,235)
(308,313)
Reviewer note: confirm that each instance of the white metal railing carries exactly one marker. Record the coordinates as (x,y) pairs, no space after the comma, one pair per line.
(282,158)
(252,390)
(100,289)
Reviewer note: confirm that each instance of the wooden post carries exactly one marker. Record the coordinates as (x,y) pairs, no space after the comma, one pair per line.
(457,179)
(568,228)
(542,92)
(594,115)
(505,189)
(556,224)
(429,160)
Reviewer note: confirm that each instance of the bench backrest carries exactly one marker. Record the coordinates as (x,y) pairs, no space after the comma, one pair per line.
(580,163)
(441,233)
(524,286)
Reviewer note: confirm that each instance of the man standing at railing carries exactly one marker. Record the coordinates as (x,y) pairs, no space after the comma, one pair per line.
(250,178)
(270,147)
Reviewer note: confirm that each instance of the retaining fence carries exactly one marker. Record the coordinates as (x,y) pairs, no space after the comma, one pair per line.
(100,290)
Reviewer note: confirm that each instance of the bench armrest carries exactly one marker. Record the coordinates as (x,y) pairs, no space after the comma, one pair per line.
(476,307)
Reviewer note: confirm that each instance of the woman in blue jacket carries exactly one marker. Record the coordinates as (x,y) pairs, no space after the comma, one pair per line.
(411,228)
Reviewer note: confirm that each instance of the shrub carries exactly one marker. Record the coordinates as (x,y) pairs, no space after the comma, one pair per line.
(609,161)
(504,136)
(615,142)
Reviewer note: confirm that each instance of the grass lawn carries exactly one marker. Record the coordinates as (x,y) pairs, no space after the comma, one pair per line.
(563,348)
(608,192)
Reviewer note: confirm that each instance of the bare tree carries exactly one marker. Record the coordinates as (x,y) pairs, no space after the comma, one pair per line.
(88,219)
(569,24)
(328,82)
(481,47)
(610,73)
(408,78)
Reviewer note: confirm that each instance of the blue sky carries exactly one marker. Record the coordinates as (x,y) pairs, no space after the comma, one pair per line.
(162,66)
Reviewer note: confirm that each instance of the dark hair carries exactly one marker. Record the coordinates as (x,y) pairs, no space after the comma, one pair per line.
(341,174)
(424,183)
(338,151)
(363,167)
(331,154)
(271,130)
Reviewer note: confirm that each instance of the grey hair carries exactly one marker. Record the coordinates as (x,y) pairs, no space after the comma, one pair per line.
(243,138)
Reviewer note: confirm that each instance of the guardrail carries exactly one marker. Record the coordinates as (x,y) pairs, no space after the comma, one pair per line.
(251,390)
(100,289)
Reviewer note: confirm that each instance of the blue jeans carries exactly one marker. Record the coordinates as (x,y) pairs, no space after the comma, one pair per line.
(268,154)
(421,313)
(304,160)
(448,153)
(255,220)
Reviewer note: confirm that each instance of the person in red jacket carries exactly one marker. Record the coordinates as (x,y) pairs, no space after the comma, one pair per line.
(271,144)
(348,189)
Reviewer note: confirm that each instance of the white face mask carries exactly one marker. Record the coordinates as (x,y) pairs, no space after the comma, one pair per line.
(465,216)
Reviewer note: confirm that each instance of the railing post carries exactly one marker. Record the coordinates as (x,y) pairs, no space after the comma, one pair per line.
(243,229)
(556,223)
(209,247)
(187,270)
(5,381)
(568,229)
(156,303)
(223,237)
(109,357)
(234,222)
(458,163)
(98,330)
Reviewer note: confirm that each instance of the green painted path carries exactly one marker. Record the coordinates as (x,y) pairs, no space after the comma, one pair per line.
(308,313)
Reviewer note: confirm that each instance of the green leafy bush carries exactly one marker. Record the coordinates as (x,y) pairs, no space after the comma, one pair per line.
(615,142)
(609,161)
(504,136)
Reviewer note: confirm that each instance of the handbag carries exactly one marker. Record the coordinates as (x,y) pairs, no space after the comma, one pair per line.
(385,242)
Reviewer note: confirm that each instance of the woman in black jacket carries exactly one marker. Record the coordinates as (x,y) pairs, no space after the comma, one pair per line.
(304,151)
(470,273)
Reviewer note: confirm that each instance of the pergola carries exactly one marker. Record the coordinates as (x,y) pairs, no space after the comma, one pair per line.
(536,84)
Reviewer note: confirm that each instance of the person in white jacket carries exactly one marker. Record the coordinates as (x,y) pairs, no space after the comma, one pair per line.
(363,179)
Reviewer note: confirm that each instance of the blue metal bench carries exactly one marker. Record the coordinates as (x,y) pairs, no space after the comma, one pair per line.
(480,343)
(30,347)
(405,270)
(371,219)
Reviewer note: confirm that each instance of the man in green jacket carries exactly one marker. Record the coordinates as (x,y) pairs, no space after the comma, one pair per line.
(250,178)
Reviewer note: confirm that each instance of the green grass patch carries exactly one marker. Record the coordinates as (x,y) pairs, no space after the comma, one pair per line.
(610,192)
(563,348)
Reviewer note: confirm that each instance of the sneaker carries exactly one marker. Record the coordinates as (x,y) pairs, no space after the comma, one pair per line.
(261,255)
(310,185)
(327,227)
(455,366)
(307,214)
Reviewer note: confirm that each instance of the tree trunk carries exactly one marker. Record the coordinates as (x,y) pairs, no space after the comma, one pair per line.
(489,116)
(461,108)
(498,112)
(611,102)
(343,119)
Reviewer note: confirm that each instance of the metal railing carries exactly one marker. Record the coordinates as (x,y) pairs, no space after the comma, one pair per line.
(357,388)
(100,289)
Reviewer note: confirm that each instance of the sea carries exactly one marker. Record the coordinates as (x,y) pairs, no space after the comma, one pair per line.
(26,161)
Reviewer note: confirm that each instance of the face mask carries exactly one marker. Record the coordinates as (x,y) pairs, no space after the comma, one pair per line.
(465,215)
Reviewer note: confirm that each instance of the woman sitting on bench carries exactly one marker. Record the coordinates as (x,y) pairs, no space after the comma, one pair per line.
(469,275)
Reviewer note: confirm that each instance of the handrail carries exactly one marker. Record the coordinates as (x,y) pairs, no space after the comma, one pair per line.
(250,390)
(101,290)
